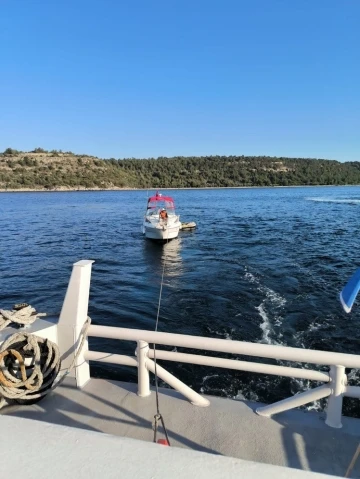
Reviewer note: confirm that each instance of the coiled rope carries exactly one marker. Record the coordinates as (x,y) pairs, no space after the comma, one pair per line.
(29,366)
(22,314)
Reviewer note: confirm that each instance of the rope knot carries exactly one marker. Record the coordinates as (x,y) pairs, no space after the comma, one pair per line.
(22,314)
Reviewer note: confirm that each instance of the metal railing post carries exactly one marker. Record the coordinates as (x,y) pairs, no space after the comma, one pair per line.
(143,373)
(334,407)
(295,401)
(175,383)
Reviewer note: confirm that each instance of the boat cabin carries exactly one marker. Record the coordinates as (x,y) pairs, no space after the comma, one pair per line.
(157,203)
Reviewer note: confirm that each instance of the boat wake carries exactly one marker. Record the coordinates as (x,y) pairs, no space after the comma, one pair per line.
(270,309)
(349,201)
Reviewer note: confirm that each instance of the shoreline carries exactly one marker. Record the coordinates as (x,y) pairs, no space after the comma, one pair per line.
(80,190)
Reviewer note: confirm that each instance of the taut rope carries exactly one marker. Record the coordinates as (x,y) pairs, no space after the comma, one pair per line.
(158,416)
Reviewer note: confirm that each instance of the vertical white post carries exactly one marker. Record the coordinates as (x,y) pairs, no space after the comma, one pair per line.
(72,318)
(334,407)
(143,373)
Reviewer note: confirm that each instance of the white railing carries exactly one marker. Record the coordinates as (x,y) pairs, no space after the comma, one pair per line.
(74,313)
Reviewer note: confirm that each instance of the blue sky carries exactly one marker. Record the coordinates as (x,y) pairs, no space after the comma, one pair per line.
(133,78)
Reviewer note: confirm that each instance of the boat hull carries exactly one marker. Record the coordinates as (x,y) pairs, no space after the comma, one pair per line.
(162,233)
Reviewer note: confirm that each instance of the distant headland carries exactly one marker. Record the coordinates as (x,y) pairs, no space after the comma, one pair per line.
(55,170)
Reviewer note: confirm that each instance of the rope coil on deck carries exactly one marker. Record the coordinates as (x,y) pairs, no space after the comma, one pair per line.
(22,314)
(29,366)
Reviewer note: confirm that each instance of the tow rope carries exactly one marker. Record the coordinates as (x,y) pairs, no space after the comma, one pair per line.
(158,416)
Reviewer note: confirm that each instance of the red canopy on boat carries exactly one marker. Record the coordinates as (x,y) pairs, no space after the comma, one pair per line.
(158,197)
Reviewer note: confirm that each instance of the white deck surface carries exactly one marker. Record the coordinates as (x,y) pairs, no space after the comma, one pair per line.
(296,439)
(66,452)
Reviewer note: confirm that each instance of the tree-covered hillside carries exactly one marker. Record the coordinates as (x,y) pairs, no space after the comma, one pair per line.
(41,169)
(228,171)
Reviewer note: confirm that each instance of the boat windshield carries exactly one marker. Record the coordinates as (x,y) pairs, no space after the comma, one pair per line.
(155,210)
(158,202)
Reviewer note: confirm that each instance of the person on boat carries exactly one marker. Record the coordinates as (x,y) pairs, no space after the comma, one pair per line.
(163,214)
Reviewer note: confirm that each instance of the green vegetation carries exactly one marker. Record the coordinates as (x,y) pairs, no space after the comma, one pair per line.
(40,169)
(39,150)
(10,152)
(230,171)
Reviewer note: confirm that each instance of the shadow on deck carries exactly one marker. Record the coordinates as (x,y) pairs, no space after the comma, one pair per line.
(295,439)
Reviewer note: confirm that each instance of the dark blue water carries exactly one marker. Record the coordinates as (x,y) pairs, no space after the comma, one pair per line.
(264,265)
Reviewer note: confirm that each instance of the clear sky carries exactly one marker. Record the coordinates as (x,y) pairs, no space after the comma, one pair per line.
(145,78)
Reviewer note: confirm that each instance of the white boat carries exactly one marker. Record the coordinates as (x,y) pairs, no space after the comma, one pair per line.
(161,221)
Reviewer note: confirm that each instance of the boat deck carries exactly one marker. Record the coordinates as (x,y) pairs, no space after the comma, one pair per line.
(296,439)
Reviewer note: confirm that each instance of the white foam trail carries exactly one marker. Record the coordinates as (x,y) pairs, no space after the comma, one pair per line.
(205,378)
(250,277)
(276,301)
(228,335)
(302,385)
(315,406)
(348,201)
(250,396)
(314,327)
(265,325)
(240,396)
(273,299)
(354,376)
(223,334)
